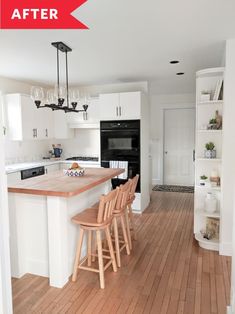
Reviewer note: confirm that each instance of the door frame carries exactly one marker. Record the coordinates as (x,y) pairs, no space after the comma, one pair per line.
(5,271)
(189,106)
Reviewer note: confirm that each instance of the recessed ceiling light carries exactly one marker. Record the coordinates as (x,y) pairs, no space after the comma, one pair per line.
(174,62)
(180,73)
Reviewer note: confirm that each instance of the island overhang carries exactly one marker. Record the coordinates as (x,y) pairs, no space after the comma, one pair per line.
(59,184)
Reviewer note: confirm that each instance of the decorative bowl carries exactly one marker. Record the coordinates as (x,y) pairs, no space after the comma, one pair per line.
(74,172)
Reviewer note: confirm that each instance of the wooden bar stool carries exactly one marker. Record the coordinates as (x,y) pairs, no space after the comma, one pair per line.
(129,213)
(93,220)
(120,214)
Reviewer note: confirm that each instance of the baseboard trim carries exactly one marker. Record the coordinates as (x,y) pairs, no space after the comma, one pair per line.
(225,248)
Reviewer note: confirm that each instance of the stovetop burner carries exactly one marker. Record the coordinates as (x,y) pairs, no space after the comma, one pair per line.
(83,158)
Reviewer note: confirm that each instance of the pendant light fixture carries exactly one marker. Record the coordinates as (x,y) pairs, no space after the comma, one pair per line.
(62,97)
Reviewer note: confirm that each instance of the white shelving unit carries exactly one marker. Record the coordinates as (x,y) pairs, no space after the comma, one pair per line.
(205,110)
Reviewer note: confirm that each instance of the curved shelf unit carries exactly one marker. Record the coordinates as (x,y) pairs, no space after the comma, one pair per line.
(208,81)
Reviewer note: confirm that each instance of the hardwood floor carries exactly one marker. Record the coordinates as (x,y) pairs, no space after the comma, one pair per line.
(166,273)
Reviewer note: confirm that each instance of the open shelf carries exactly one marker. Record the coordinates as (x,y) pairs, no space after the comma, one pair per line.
(203,187)
(210,102)
(209,159)
(205,214)
(210,131)
(212,244)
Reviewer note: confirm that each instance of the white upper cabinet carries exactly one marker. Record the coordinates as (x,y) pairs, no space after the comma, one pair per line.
(120,106)
(61,126)
(25,121)
(91,116)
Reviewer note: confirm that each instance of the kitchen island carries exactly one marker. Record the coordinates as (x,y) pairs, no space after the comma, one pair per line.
(42,237)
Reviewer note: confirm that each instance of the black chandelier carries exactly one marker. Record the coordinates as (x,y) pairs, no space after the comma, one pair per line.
(61,98)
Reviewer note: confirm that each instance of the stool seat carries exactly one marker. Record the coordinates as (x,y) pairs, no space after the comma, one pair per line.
(89,218)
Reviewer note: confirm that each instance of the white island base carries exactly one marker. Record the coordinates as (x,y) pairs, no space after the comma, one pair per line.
(42,237)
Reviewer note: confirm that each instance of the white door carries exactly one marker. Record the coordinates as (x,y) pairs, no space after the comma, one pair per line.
(179,143)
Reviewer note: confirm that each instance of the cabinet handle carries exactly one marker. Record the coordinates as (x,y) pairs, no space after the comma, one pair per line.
(117,111)
(36,132)
(46,132)
(86,115)
(120,111)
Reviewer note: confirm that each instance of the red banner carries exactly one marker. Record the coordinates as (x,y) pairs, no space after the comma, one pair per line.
(40,14)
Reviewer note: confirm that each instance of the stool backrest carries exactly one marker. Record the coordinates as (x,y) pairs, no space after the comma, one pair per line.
(134,182)
(123,194)
(106,206)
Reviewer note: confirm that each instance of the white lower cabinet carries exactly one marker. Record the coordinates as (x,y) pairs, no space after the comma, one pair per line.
(13,178)
(52,168)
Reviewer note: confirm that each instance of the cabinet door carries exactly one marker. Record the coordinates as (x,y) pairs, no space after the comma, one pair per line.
(29,118)
(130,105)
(52,168)
(45,125)
(93,112)
(13,178)
(61,129)
(109,107)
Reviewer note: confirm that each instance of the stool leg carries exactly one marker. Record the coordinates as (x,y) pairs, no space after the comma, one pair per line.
(117,247)
(110,245)
(89,239)
(78,255)
(132,222)
(128,228)
(125,235)
(100,258)
(95,247)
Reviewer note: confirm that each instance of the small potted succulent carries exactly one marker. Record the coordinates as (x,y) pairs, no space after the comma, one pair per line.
(212,124)
(203,180)
(210,151)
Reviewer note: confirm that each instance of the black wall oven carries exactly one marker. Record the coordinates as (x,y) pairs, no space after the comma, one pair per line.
(120,141)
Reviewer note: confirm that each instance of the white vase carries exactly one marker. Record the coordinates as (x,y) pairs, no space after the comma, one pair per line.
(210,203)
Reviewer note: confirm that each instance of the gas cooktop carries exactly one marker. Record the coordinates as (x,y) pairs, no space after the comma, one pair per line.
(83,158)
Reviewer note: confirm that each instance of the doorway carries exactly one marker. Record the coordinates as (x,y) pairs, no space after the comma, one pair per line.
(179,143)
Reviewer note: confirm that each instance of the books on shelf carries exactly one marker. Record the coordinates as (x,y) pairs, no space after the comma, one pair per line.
(218,95)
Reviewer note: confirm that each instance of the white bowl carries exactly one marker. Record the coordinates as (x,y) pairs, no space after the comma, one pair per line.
(74,172)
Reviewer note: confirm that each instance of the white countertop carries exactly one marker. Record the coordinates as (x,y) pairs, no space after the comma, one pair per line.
(33,164)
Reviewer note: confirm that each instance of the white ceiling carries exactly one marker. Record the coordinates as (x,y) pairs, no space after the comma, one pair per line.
(128,40)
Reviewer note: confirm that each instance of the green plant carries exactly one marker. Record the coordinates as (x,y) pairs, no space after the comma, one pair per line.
(213,121)
(210,146)
(203,177)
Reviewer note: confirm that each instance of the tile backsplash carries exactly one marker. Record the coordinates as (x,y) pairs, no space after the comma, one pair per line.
(85,143)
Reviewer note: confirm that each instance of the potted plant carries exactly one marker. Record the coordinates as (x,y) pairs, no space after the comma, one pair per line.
(212,124)
(210,151)
(203,180)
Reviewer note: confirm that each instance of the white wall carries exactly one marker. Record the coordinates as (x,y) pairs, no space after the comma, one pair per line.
(85,143)
(157,105)
(228,165)
(5,278)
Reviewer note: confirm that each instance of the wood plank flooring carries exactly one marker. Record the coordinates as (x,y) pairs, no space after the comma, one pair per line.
(167,273)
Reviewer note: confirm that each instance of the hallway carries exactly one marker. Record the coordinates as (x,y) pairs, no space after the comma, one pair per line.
(166,273)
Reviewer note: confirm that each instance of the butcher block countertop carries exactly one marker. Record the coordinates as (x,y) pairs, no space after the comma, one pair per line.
(59,184)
